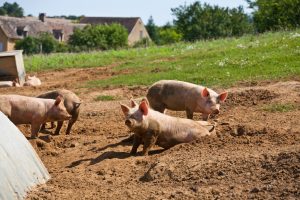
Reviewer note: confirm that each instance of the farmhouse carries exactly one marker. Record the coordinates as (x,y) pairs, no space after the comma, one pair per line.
(13,29)
(134,25)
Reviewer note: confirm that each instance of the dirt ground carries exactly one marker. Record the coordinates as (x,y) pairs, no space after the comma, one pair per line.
(255,155)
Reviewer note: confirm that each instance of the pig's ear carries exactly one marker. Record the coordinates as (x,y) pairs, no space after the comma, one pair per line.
(125,109)
(223,96)
(133,103)
(58,100)
(205,92)
(146,100)
(144,108)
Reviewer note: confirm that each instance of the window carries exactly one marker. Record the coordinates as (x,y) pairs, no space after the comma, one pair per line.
(1,46)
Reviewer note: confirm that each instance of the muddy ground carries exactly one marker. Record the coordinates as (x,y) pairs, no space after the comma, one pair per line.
(255,155)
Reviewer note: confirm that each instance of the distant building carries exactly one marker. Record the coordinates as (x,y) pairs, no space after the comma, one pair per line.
(13,29)
(134,25)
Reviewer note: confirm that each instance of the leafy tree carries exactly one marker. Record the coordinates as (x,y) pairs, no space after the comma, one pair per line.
(198,21)
(152,30)
(275,14)
(99,37)
(30,45)
(11,9)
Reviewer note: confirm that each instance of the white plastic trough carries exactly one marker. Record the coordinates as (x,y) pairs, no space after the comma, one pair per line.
(20,167)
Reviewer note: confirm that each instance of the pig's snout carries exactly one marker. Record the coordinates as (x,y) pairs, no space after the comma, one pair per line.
(128,122)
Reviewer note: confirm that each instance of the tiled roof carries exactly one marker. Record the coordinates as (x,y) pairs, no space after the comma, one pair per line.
(127,22)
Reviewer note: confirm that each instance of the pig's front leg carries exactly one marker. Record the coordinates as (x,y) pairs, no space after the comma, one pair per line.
(189,114)
(149,142)
(35,128)
(136,143)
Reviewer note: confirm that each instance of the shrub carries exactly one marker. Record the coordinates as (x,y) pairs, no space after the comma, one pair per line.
(29,45)
(99,37)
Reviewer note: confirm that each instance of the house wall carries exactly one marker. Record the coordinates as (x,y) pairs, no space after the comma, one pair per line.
(11,44)
(135,34)
(3,41)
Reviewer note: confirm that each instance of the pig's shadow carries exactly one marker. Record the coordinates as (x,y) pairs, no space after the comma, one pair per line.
(112,154)
(125,142)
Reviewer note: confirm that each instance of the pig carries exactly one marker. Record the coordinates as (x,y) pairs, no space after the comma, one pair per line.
(183,96)
(9,84)
(152,127)
(35,111)
(32,81)
(71,102)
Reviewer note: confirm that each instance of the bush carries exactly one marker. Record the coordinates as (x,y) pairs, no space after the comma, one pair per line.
(29,45)
(168,36)
(48,43)
(44,43)
(99,37)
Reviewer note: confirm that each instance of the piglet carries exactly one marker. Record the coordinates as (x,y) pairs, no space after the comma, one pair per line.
(152,127)
(35,111)
(183,96)
(32,81)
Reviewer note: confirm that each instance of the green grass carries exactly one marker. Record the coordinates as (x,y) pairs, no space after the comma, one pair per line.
(222,62)
(280,107)
(105,98)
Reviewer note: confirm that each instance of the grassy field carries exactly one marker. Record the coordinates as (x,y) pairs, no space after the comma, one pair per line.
(220,62)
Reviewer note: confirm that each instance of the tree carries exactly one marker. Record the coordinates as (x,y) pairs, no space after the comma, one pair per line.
(11,9)
(198,21)
(271,15)
(152,30)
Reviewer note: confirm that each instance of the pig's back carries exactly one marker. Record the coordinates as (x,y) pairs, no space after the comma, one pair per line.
(69,98)
(21,109)
(175,95)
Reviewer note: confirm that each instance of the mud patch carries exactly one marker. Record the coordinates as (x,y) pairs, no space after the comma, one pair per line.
(249,97)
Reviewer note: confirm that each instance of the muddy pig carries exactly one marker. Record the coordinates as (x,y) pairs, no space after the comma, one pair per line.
(183,96)
(30,110)
(71,102)
(152,127)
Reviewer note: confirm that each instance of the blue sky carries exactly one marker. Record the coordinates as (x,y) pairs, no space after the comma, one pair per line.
(159,9)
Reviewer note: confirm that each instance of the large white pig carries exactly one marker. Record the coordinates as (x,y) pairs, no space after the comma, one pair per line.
(151,127)
(183,96)
(35,111)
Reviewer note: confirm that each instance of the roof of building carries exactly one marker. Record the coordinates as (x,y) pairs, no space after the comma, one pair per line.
(127,22)
(33,26)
